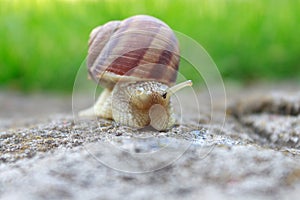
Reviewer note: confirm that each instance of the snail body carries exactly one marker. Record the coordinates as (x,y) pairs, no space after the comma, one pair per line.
(136,60)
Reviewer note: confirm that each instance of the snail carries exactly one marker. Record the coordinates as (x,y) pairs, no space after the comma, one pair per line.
(136,61)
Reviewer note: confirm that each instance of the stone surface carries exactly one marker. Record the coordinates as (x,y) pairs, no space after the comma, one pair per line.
(47,153)
(274,115)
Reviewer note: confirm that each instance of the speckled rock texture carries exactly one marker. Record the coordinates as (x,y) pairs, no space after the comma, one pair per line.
(274,115)
(46,152)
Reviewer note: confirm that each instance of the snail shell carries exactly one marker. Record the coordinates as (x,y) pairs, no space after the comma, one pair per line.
(136,61)
(137,48)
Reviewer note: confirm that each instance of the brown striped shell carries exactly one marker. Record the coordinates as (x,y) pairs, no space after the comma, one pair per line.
(138,48)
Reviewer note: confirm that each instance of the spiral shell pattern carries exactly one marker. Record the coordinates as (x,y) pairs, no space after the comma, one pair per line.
(138,48)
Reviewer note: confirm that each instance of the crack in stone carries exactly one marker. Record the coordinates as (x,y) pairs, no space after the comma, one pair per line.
(274,117)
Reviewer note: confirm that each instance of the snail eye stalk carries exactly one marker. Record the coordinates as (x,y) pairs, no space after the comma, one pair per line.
(178,87)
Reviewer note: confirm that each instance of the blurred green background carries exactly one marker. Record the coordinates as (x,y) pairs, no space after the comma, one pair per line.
(44,42)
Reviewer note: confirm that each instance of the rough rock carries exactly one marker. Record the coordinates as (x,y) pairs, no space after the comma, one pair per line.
(274,116)
(55,155)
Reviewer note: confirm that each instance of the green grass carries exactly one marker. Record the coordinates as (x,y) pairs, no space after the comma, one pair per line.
(43,43)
